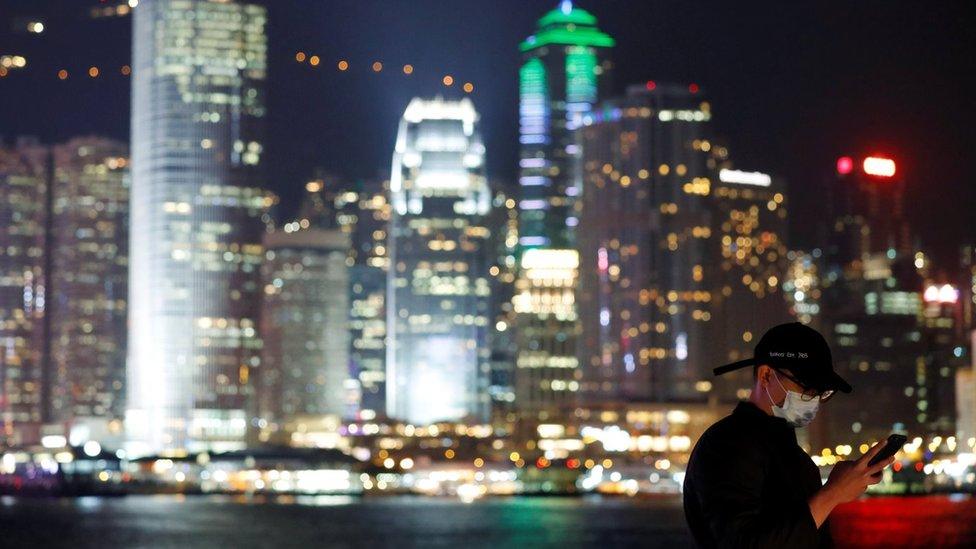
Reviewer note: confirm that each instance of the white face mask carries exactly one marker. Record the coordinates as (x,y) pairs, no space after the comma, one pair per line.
(796,411)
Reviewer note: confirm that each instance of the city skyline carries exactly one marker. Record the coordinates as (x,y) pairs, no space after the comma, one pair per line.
(762,92)
(266,266)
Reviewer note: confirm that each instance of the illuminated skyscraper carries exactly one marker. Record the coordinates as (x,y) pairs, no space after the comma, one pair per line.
(561,78)
(546,367)
(967,286)
(563,74)
(437,292)
(646,247)
(872,306)
(360,210)
(89,278)
(749,214)
(502,335)
(304,325)
(23,215)
(198,215)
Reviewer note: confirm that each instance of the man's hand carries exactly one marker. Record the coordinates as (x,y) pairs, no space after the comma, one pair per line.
(847,481)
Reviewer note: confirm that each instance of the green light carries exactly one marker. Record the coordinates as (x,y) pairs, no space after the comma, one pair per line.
(580,75)
(532,81)
(576,28)
(578,37)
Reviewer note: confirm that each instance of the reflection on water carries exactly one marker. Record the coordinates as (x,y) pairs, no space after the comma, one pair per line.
(348,522)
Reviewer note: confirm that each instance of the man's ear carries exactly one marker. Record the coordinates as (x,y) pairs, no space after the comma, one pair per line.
(764,373)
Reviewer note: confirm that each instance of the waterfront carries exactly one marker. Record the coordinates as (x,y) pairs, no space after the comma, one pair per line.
(348,522)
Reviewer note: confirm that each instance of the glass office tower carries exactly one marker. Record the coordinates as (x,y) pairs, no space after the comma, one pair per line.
(89,278)
(437,294)
(23,215)
(647,261)
(304,325)
(198,215)
(561,78)
(563,74)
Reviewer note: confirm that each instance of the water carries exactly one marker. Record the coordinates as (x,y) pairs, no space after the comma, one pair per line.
(403,522)
(330,522)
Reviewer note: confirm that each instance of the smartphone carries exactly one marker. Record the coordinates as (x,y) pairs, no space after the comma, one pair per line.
(895,442)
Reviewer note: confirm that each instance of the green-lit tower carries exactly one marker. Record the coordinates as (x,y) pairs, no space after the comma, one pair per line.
(563,74)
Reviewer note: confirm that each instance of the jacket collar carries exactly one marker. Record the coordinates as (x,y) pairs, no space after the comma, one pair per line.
(751,413)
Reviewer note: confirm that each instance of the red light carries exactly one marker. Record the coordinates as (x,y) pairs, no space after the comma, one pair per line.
(693,88)
(879,166)
(651,85)
(573,463)
(542,463)
(845,165)
(919,467)
(896,466)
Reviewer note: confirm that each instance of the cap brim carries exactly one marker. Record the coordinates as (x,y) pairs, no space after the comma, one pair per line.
(734,366)
(834,381)
(824,381)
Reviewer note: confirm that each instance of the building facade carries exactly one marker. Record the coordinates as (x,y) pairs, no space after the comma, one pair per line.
(502,271)
(23,218)
(871,308)
(749,212)
(564,72)
(198,213)
(361,210)
(305,326)
(437,287)
(89,281)
(646,238)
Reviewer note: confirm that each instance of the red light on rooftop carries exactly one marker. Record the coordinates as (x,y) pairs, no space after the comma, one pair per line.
(651,85)
(879,166)
(845,165)
(693,88)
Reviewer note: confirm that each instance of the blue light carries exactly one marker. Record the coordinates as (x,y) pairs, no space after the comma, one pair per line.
(566,6)
(532,180)
(533,241)
(533,205)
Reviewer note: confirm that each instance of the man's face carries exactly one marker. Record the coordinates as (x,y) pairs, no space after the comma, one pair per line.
(777,391)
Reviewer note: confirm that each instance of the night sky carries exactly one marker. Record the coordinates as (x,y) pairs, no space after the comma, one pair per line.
(792,85)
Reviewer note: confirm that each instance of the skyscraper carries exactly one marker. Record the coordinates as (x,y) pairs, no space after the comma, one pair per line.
(871,304)
(363,212)
(502,334)
(563,74)
(304,325)
(198,215)
(89,277)
(645,241)
(23,216)
(437,291)
(360,210)
(749,214)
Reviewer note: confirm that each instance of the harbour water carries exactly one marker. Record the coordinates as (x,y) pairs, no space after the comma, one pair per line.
(188,522)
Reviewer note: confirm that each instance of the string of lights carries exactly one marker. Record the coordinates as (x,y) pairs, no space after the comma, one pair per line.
(10,63)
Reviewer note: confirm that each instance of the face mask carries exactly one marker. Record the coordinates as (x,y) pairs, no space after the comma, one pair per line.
(796,411)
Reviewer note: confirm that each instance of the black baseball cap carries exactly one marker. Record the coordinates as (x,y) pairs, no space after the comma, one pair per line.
(799,349)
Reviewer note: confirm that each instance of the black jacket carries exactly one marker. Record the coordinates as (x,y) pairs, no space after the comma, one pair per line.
(747,485)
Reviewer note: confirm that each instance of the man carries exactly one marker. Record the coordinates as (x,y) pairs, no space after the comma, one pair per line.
(748,483)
